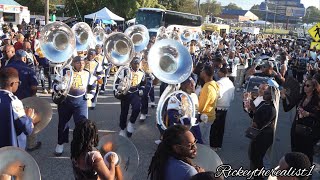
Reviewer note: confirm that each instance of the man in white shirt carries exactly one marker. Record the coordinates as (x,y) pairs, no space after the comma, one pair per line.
(226,95)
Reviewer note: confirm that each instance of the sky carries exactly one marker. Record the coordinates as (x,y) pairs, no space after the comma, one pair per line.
(247,4)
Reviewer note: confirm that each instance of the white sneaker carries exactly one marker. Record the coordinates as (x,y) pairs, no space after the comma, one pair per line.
(143,117)
(59,149)
(152,104)
(44,91)
(157,141)
(50,91)
(102,91)
(122,133)
(130,127)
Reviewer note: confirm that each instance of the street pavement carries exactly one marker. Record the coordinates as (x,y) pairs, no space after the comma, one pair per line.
(106,115)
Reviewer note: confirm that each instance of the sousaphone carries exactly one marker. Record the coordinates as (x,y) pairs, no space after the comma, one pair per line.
(139,35)
(42,110)
(119,50)
(17,164)
(58,44)
(84,36)
(99,34)
(127,153)
(171,63)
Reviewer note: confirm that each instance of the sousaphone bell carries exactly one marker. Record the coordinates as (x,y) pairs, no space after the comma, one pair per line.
(118,49)
(17,164)
(57,42)
(162,34)
(42,110)
(139,35)
(126,152)
(99,34)
(83,35)
(186,36)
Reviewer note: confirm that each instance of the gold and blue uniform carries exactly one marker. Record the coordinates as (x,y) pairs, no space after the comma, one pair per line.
(95,69)
(132,98)
(75,103)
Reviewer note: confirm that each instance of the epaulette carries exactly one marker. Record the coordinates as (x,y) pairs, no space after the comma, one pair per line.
(12,96)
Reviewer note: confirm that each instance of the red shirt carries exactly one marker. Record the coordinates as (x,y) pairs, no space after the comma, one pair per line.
(18,45)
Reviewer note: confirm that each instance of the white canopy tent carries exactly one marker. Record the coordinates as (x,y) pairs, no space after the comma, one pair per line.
(260,22)
(132,21)
(104,14)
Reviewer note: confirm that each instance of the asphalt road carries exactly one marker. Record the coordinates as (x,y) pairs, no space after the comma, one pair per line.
(106,115)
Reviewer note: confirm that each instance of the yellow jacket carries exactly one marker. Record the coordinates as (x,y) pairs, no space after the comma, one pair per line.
(208,100)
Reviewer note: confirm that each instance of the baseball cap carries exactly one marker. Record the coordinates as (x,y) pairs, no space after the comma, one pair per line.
(78,58)
(135,60)
(21,53)
(5,37)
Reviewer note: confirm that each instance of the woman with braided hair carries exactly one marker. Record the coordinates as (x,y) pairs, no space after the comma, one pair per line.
(172,159)
(87,161)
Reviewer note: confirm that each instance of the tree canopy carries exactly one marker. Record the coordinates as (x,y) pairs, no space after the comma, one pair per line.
(312,15)
(125,8)
(232,6)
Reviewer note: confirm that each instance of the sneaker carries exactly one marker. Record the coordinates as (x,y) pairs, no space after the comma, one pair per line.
(44,91)
(59,150)
(102,91)
(153,105)
(50,91)
(143,117)
(157,141)
(130,129)
(37,146)
(93,105)
(122,133)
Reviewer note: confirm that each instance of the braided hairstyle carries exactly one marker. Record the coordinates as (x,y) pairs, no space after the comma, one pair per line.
(172,136)
(85,138)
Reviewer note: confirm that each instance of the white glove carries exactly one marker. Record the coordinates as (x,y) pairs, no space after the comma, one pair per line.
(193,121)
(120,88)
(140,92)
(89,96)
(152,77)
(204,118)
(61,86)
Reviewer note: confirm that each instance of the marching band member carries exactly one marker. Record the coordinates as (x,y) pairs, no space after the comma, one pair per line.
(95,69)
(103,62)
(15,120)
(133,98)
(149,87)
(75,104)
(178,112)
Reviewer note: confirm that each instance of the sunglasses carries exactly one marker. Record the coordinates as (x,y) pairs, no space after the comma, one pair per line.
(307,85)
(191,146)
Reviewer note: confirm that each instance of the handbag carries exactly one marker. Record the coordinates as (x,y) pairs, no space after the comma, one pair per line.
(252,132)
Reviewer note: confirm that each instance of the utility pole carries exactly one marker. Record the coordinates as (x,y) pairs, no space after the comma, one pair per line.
(46,11)
(265,21)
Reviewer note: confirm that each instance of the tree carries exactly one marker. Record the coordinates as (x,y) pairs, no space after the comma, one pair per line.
(233,6)
(312,15)
(255,9)
(210,7)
